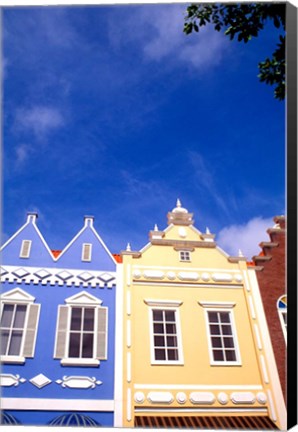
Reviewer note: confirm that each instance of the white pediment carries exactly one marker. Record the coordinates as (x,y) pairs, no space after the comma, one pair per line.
(83,298)
(17,295)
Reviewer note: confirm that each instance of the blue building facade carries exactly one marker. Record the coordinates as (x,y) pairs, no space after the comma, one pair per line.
(58,329)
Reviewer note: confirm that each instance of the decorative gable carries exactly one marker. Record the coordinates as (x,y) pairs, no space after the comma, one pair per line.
(83,298)
(17,295)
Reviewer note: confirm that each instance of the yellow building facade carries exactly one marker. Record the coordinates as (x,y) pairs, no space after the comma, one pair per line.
(192,343)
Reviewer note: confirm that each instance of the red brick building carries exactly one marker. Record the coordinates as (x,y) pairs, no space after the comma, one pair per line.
(271,274)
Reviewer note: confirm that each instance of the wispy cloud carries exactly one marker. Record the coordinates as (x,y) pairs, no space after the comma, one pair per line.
(205,179)
(245,237)
(159,31)
(41,120)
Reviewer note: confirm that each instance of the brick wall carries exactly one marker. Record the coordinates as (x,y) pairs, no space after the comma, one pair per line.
(272,282)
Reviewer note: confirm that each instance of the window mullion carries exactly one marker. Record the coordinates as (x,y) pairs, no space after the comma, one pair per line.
(82,332)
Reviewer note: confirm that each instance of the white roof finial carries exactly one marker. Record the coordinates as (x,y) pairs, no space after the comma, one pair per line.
(240,253)
(155,227)
(178,204)
(207,230)
(128,248)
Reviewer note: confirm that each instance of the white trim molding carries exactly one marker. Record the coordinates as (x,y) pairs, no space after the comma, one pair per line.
(163,303)
(42,404)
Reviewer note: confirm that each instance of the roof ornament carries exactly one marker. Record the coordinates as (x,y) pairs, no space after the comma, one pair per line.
(207,230)
(240,254)
(179,208)
(155,227)
(128,247)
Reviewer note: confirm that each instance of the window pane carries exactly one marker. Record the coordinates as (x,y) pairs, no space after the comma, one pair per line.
(212,317)
(170,316)
(158,328)
(15,343)
(214,329)
(76,315)
(216,342)
(74,345)
(172,354)
(159,341)
(225,317)
(171,341)
(230,355)
(171,328)
(157,315)
(228,342)
(19,318)
(87,351)
(226,330)
(160,354)
(4,341)
(89,319)
(7,315)
(218,355)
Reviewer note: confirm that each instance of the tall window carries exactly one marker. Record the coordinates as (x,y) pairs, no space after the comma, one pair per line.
(12,328)
(19,319)
(165,335)
(282,312)
(81,334)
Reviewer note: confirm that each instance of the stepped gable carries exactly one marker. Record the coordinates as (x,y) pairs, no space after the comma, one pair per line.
(27,247)
(86,251)
(271,274)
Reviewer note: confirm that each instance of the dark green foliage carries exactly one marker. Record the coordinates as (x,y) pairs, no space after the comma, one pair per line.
(244,21)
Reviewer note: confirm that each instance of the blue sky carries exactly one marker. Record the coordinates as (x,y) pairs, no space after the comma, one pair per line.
(112,111)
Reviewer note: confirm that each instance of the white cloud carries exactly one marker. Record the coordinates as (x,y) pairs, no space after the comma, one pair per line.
(158,30)
(39,119)
(245,237)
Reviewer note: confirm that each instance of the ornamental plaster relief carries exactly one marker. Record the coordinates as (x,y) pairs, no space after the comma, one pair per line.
(9,380)
(201,398)
(186,276)
(79,382)
(53,276)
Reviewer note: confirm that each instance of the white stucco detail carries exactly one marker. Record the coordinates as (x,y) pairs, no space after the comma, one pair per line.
(243,398)
(80,382)
(9,380)
(153,274)
(58,276)
(188,276)
(139,397)
(222,398)
(40,381)
(221,277)
(181,397)
(202,398)
(160,397)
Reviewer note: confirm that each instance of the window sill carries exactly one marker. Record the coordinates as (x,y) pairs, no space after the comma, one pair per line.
(167,363)
(12,359)
(80,362)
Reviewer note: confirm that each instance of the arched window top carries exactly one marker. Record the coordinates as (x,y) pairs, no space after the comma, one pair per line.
(282,303)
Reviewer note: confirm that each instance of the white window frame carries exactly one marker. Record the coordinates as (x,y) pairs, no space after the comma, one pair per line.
(165,305)
(82,300)
(221,307)
(22,254)
(83,252)
(282,312)
(19,297)
(183,254)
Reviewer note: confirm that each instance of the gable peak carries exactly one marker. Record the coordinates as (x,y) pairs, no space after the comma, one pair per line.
(180,216)
(88,221)
(31,217)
